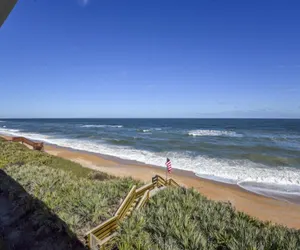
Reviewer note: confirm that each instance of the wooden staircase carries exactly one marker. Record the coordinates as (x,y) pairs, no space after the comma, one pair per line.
(35,145)
(132,207)
(100,236)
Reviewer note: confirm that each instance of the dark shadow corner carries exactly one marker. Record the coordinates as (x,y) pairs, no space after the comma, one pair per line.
(27,223)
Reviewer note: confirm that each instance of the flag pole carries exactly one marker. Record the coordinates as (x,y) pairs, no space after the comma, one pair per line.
(168,168)
(166,173)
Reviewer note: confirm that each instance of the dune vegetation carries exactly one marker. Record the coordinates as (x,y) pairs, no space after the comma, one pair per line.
(180,218)
(79,197)
(18,154)
(81,202)
(53,202)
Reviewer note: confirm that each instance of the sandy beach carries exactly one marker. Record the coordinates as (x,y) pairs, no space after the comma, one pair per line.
(263,208)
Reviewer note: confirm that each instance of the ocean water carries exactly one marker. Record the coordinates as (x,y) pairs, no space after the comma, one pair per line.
(261,156)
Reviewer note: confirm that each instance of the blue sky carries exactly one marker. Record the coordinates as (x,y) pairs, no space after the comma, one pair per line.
(116,58)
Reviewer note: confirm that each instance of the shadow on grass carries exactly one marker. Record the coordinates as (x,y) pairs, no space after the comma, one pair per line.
(27,223)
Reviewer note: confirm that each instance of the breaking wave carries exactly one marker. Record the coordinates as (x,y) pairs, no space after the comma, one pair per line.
(250,175)
(5,130)
(102,126)
(208,132)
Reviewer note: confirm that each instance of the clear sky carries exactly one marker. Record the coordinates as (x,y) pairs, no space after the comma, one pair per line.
(151,58)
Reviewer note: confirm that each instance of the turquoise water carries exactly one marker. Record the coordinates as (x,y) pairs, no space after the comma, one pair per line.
(259,155)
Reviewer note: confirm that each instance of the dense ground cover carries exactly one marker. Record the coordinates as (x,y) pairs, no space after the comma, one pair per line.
(79,197)
(184,219)
(48,203)
(81,202)
(14,153)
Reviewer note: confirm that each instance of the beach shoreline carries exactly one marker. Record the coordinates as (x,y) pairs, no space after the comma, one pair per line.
(261,207)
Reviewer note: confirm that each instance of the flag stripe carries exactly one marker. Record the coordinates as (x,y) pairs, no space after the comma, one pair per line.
(169,165)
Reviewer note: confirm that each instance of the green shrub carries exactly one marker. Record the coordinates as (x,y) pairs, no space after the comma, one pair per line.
(100,176)
(81,197)
(80,202)
(13,153)
(27,223)
(184,219)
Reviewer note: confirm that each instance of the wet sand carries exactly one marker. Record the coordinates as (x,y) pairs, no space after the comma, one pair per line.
(261,207)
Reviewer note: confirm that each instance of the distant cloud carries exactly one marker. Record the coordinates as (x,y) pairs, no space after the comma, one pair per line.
(83,2)
(259,113)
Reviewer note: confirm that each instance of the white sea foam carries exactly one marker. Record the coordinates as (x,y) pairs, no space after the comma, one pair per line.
(247,174)
(271,189)
(8,131)
(208,132)
(102,126)
(149,130)
(17,132)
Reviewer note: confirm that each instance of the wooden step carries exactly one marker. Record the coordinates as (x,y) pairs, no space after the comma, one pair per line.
(132,207)
(108,229)
(108,238)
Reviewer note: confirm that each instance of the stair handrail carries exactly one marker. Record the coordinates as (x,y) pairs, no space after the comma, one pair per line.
(173,183)
(108,227)
(35,145)
(144,199)
(141,191)
(126,201)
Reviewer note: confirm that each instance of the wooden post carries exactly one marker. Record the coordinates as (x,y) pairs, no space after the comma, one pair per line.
(166,174)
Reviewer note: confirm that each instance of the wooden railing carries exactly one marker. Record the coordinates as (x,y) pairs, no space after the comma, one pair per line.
(159,181)
(143,200)
(36,145)
(135,199)
(173,183)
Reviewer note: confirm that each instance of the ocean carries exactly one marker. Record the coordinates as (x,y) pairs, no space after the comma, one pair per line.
(259,155)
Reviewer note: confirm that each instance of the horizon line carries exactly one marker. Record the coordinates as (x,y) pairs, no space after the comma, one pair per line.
(257,118)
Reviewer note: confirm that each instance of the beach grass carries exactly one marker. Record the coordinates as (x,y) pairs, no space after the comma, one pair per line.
(13,153)
(27,223)
(81,202)
(184,219)
(81,198)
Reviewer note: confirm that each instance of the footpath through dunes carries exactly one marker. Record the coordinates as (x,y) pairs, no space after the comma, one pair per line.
(34,145)
(103,236)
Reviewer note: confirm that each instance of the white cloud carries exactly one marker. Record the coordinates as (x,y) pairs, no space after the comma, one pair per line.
(83,2)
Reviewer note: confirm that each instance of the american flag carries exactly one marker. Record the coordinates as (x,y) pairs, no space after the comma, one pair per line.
(169,165)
